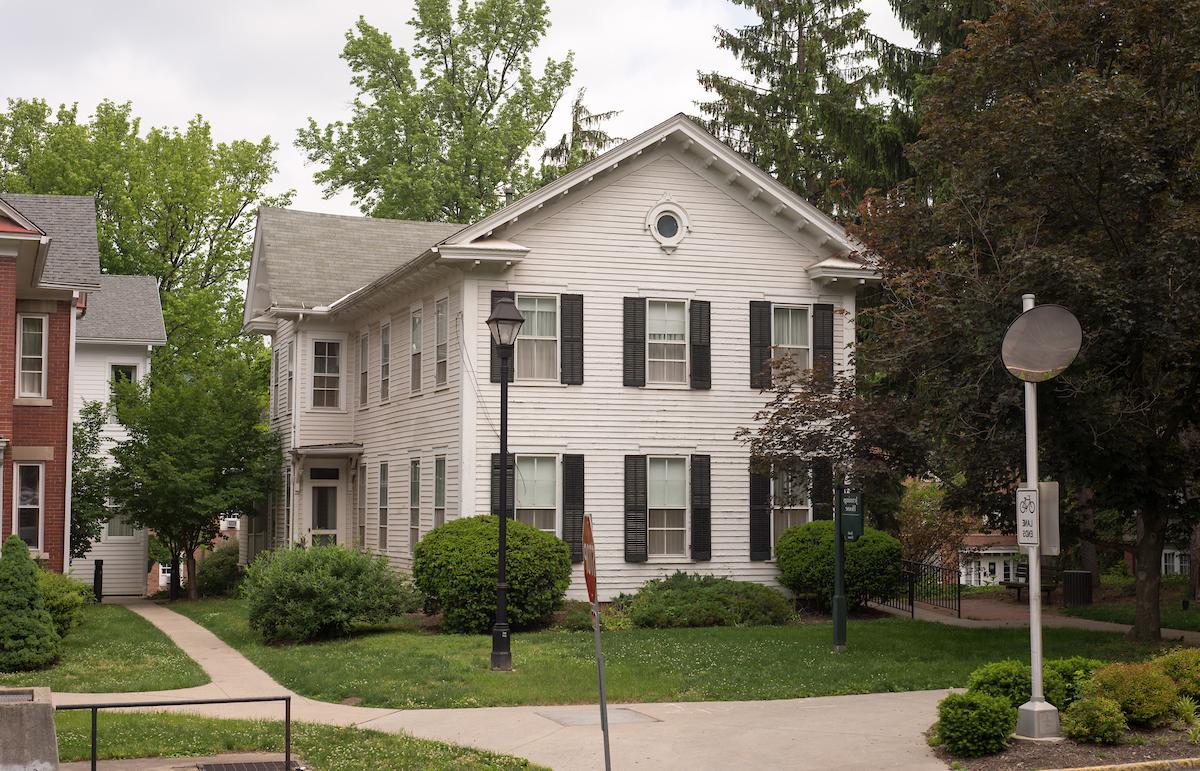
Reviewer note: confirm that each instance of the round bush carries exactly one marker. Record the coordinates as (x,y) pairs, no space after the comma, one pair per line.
(1182,665)
(1095,719)
(974,724)
(455,565)
(688,600)
(1146,695)
(1012,681)
(64,598)
(219,573)
(1073,675)
(805,562)
(306,593)
(28,639)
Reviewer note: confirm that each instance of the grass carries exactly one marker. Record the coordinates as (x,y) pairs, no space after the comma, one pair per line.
(114,650)
(326,748)
(405,668)
(1122,612)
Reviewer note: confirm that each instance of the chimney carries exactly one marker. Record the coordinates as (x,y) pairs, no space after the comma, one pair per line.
(509,193)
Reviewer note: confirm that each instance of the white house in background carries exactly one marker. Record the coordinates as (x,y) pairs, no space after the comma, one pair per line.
(114,339)
(986,559)
(654,281)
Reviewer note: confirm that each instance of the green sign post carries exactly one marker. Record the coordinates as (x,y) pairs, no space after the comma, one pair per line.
(847,526)
(852,514)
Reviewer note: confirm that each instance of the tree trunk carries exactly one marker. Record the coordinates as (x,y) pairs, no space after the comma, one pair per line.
(1151,533)
(1194,563)
(193,590)
(173,592)
(1088,558)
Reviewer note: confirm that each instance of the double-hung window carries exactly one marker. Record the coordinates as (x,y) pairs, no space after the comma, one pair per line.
(277,383)
(29,493)
(362,505)
(441,354)
(666,341)
(385,361)
(439,491)
(536,496)
(414,504)
(364,362)
(537,342)
(119,527)
(383,506)
(287,498)
(666,493)
(790,504)
(327,374)
(31,350)
(121,373)
(291,372)
(415,337)
(789,334)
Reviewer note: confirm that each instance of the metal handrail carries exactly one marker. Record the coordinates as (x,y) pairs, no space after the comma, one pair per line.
(287,715)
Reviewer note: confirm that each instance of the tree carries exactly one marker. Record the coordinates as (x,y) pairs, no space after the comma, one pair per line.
(1058,156)
(28,639)
(584,140)
(437,133)
(197,450)
(89,479)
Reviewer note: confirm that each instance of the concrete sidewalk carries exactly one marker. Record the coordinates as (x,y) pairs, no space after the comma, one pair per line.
(845,732)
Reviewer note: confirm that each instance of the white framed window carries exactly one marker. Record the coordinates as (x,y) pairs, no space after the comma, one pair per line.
(362,505)
(327,374)
(29,497)
(439,491)
(536,494)
(417,344)
(790,504)
(31,355)
(385,361)
(121,373)
(668,223)
(666,493)
(119,527)
(364,366)
(441,354)
(383,506)
(666,341)
(291,373)
(790,333)
(537,342)
(287,497)
(276,383)
(414,504)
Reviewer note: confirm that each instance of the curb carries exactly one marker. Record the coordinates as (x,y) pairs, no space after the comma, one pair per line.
(1148,765)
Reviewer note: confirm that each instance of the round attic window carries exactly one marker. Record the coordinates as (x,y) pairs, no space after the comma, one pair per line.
(667,226)
(668,223)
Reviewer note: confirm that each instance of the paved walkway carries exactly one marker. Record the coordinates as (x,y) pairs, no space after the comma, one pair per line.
(845,732)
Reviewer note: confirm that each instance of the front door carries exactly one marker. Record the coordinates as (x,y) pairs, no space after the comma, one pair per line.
(324,508)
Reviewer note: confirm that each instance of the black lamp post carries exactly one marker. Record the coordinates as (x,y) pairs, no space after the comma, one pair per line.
(504,324)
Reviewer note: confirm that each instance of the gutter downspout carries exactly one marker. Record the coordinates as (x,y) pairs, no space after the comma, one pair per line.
(69,465)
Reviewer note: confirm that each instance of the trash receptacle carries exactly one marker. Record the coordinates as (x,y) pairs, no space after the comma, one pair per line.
(1077,587)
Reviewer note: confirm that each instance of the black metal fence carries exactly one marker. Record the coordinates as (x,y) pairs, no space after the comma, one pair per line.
(287,716)
(925,583)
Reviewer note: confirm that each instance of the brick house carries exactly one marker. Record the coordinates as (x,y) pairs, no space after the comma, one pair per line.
(49,261)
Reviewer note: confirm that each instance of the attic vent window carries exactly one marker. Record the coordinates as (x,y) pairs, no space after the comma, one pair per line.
(668,223)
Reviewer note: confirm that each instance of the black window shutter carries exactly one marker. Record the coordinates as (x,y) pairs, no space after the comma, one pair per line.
(571,367)
(496,484)
(823,344)
(760,344)
(635,508)
(572,503)
(701,507)
(760,517)
(495,362)
(822,489)
(635,341)
(700,322)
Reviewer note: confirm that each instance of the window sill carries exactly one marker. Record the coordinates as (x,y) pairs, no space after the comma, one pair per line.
(538,384)
(32,401)
(326,410)
(669,387)
(414,394)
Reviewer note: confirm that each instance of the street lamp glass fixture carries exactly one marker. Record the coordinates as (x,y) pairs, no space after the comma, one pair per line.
(505,322)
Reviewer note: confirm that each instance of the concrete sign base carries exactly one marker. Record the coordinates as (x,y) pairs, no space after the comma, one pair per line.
(27,738)
(1037,720)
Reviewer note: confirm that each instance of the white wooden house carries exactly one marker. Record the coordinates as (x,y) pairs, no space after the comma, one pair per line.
(654,281)
(114,339)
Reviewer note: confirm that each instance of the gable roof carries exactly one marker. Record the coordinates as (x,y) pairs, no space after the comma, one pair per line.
(126,309)
(73,259)
(310,259)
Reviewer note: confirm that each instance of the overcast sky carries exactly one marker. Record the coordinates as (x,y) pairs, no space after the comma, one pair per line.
(261,67)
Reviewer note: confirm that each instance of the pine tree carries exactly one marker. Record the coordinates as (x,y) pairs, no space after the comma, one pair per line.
(584,140)
(27,636)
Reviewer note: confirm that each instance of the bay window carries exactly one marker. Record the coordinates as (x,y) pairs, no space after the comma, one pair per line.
(327,374)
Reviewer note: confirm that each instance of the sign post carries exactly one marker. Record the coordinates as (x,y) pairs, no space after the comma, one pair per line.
(852,514)
(839,575)
(589,576)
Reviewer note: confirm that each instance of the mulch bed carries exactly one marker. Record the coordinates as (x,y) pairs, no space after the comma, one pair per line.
(1163,744)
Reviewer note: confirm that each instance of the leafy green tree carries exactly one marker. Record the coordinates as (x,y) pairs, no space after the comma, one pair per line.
(584,140)
(197,450)
(89,479)
(437,132)
(28,639)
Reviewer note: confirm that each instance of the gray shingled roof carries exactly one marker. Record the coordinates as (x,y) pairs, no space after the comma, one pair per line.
(125,309)
(70,221)
(314,259)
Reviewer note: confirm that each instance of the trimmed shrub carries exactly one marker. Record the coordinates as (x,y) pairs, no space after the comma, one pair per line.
(306,593)
(1073,675)
(1062,680)
(974,724)
(455,565)
(219,573)
(1182,665)
(28,639)
(690,600)
(64,598)
(805,562)
(1095,719)
(1145,693)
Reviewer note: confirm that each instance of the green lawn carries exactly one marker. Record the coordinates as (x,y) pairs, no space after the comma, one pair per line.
(406,668)
(1121,612)
(114,649)
(326,748)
